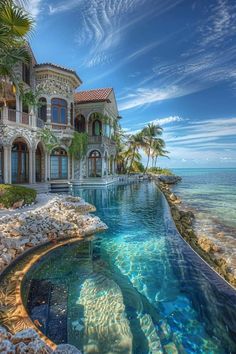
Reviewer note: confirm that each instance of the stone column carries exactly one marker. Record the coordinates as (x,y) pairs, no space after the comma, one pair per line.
(87,126)
(6,163)
(30,166)
(18,109)
(103,166)
(68,167)
(33,166)
(47,167)
(72,168)
(4,114)
(48,111)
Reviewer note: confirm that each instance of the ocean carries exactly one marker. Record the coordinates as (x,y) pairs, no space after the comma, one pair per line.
(211,194)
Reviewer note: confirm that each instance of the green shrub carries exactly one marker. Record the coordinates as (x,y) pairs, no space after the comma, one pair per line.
(10,194)
(160,171)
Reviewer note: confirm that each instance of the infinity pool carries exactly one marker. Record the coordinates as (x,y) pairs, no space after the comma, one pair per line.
(136,288)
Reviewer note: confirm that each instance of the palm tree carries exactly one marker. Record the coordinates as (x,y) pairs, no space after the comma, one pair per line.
(135,142)
(158,149)
(150,133)
(15,24)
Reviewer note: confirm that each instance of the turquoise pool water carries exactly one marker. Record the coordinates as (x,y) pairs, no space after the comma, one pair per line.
(136,288)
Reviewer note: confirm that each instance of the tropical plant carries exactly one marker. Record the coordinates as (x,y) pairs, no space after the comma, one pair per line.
(120,139)
(50,141)
(160,171)
(31,98)
(79,144)
(15,25)
(137,167)
(150,134)
(157,150)
(135,142)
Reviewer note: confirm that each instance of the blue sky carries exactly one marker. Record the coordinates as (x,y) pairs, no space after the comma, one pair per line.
(169,61)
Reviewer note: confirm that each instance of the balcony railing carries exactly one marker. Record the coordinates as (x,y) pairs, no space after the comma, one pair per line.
(100,140)
(40,123)
(12,115)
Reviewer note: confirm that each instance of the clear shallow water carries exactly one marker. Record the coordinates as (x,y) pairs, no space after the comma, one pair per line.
(136,288)
(211,191)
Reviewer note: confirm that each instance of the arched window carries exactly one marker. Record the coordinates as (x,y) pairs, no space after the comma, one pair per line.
(97,127)
(42,110)
(59,111)
(80,123)
(71,114)
(95,164)
(20,162)
(59,164)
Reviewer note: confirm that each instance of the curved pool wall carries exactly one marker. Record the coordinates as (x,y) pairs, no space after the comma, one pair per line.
(136,288)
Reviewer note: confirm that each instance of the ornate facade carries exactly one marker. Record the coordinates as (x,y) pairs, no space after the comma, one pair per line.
(24,158)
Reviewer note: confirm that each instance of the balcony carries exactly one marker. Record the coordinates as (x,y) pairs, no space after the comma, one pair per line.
(100,140)
(14,117)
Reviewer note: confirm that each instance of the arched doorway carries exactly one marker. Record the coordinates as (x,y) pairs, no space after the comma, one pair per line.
(59,164)
(95,164)
(1,165)
(80,124)
(20,161)
(39,159)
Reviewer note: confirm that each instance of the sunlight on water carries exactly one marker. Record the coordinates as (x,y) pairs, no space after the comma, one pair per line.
(136,288)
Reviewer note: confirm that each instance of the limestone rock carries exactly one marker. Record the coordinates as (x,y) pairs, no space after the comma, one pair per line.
(3,334)
(25,336)
(6,347)
(18,204)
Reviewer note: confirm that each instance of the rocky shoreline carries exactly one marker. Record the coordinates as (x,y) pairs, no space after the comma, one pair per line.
(56,220)
(28,341)
(60,218)
(203,245)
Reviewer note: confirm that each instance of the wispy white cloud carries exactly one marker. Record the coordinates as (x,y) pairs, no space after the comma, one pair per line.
(220,24)
(146,96)
(64,6)
(167,120)
(206,130)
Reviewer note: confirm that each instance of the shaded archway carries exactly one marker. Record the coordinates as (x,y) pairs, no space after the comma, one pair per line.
(97,127)
(20,161)
(95,124)
(95,164)
(39,163)
(79,124)
(1,164)
(59,164)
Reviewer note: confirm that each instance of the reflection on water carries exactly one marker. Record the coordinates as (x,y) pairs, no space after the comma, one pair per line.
(136,288)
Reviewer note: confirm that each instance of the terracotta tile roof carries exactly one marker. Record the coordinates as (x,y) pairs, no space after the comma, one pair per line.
(97,95)
(58,67)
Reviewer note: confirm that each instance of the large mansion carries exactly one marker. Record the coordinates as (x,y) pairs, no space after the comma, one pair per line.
(23,155)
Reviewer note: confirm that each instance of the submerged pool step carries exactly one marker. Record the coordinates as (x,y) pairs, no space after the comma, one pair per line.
(47,305)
